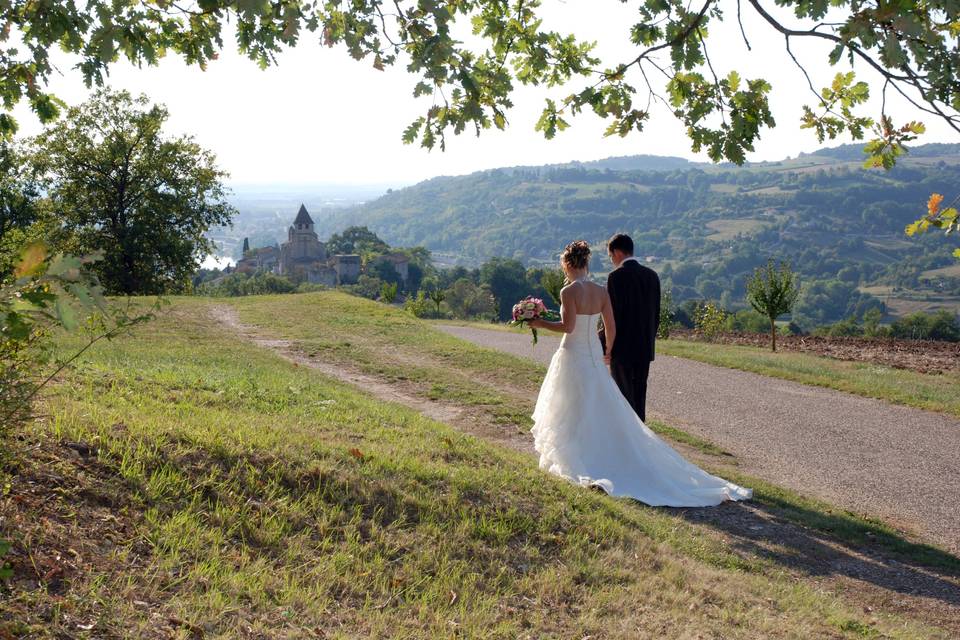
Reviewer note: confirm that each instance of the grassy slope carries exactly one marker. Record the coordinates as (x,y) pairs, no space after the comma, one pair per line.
(387,342)
(267,500)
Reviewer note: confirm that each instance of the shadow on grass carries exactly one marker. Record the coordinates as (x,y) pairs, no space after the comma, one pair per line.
(817,542)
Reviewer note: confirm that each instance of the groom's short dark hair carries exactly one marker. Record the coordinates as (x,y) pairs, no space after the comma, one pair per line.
(620,242)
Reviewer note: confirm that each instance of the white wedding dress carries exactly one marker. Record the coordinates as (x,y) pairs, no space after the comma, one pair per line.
(587,432)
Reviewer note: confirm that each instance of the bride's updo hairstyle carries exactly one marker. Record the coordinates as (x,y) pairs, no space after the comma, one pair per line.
(576,255)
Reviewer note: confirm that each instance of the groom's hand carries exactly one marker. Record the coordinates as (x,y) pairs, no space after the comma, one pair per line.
(606,359)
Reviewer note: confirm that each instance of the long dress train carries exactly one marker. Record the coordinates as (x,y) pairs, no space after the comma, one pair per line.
(587,432)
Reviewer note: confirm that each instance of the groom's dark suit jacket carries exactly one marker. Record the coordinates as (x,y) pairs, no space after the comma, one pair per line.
(635,294)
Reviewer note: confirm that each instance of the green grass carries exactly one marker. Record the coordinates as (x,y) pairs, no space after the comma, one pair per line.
(383,338)
(387,342)
(265,500)
(934,392)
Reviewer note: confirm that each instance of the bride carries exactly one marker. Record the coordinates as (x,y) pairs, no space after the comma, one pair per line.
(586,431)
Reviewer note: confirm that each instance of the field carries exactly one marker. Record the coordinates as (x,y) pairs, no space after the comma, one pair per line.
(198,479)
(729,229)
(953,271)
(920,356)
(903,302)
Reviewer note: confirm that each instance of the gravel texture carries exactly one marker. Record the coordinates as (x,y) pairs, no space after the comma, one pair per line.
(897,463)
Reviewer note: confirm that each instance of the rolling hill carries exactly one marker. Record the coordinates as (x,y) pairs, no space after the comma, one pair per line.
(703,227)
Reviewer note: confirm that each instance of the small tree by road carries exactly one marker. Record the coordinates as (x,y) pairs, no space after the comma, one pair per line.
(772,291)
(438,295)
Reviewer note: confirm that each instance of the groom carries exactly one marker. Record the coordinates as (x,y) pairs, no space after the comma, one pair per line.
(635,293)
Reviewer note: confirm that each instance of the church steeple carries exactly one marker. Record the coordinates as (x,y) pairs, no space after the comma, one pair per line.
(303,219)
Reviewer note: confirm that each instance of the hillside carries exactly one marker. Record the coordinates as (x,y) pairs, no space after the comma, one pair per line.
(190,481)
(703,227)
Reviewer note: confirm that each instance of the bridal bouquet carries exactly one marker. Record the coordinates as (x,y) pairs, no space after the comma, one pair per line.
(531,308)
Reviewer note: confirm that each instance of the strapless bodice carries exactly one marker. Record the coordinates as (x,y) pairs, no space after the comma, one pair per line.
(583,339)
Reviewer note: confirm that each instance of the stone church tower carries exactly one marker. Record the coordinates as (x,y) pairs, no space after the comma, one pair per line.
(303,256)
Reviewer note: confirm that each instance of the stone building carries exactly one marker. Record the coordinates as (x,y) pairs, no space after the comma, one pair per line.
(400,262)
(303,258)
(259,259)
(347,268)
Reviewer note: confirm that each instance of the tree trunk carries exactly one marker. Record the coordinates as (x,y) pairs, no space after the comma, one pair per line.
(773,334)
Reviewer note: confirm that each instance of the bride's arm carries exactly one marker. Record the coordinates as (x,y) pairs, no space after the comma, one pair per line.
(568,315)
(609,324)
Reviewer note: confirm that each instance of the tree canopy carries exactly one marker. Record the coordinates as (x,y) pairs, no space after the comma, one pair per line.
(356,240)
(912,46)
(118,185)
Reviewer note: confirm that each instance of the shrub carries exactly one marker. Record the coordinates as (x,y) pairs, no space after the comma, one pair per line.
(469,300)
(846,327)
(241,284)
(666,314)
(311,287)
(941,325)
(367,287)
(871,324)
(709,320)
(419,306)
(48,294)
(748,321)
(388,292)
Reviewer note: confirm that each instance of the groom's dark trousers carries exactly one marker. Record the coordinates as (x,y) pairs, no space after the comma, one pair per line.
(632,380)
(635,294)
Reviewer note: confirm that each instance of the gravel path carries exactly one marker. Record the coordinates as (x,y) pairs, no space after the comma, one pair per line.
(897,463)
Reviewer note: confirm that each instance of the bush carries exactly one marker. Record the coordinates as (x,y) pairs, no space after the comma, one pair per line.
(848,327)
(748,321)
(48,294)
(366,287)
(419,306)
(871,324)
(240,284)
(388,292)
(941,325)
(468,300)
(709,320)
(666,314)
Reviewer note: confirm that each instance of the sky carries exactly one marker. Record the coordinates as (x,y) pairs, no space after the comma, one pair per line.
(320,117)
